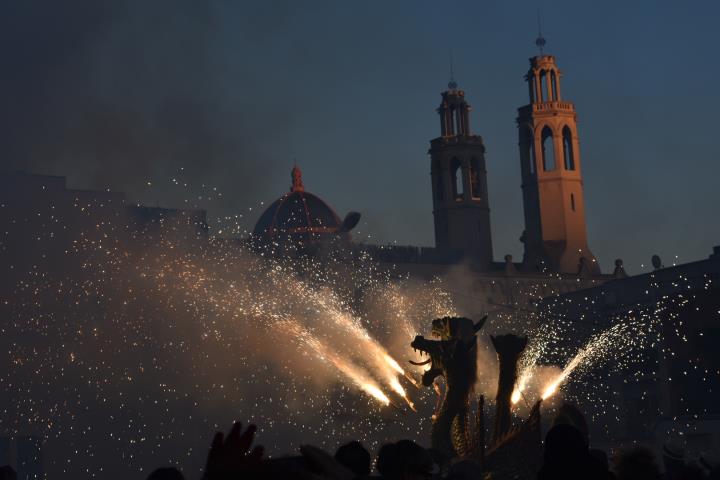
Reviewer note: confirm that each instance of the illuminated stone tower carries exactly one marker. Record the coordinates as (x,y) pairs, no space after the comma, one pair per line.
(555,235)
(459,182)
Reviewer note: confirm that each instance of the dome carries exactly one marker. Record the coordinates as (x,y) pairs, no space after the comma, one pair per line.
(297,214)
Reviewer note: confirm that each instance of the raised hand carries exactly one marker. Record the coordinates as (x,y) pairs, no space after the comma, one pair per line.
(231,456)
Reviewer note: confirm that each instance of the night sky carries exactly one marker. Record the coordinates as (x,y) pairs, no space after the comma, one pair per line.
(118,94)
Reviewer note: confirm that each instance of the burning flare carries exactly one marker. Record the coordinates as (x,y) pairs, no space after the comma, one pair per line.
(572,365)
(521,385)
(351,371)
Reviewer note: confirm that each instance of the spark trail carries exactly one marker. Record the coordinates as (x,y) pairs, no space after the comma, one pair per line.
(355,374)
(622,344)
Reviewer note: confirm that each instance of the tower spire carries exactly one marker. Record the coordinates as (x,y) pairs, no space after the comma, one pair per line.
(297,182)
(540,40)
(452,85)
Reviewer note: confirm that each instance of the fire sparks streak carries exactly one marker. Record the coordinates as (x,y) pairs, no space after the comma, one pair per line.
(630,334)
(134,352)
(354,373)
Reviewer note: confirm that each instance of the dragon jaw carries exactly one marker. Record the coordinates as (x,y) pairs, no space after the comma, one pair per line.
(433,349)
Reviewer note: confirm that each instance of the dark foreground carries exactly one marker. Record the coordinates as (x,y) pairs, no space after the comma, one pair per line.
(567,454)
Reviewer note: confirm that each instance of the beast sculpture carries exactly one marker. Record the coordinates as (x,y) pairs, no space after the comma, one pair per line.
(454,356)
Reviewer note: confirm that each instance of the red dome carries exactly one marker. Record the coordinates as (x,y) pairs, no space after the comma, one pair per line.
(297,214)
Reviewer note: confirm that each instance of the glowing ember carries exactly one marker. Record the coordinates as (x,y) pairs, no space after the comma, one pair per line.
(517,393)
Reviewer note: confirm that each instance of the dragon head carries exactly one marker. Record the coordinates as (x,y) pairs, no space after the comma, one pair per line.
(451,332)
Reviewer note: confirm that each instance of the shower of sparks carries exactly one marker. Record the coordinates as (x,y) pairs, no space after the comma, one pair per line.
(354,373)
(395,366)
(126,349)
(146,345)
(553,386)
(621,344)
(538,345)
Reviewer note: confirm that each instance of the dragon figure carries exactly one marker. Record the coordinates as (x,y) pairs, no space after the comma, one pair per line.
(454,356)
(513,452)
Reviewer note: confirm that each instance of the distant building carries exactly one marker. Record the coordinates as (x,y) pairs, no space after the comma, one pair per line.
(43,220)
(556,259)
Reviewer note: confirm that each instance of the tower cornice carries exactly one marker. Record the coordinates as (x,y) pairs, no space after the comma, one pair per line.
(549,107)
(457,141)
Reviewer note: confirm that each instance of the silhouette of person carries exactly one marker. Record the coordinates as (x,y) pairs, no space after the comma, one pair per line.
(355,457)
(7,473)
(637,463)
(567,457)
(404,460)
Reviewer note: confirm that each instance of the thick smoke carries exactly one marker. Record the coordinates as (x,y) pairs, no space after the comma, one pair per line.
(118,94)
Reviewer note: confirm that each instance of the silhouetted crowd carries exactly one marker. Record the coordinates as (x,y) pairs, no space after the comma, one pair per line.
(566,455)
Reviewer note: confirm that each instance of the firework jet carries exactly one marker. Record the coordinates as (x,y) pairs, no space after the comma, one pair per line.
(353,373)
(630,334)
(572,365)
(184,337)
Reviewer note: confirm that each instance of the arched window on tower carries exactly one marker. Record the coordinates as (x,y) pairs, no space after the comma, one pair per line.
(475,186)
(543,86)
(457,180)
(548,150)
(568,154)
(553,85)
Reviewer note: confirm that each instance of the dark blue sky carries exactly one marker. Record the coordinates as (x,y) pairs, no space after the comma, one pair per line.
(116,94)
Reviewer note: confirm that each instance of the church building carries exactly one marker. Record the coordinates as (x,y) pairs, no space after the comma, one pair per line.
(557,258)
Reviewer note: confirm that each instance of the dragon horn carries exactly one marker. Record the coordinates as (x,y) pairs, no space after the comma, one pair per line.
(479,324)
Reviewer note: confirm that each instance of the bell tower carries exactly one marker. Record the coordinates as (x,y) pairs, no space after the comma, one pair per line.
(459,182)
(555,235)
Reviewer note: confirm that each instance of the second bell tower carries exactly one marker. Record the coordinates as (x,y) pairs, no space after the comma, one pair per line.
(555,235)
(459,183)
